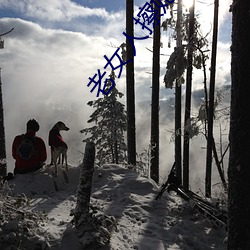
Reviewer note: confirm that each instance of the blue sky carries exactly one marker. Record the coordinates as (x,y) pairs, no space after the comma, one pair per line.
(57,45)
(57,13)
(109,5)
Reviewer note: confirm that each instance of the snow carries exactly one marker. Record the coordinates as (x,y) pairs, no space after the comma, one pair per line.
(142,222)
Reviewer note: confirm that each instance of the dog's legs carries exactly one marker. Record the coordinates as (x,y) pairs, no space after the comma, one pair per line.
(64,172)
(51,156)
(56,170)
(63,157)
(55,164)
(55,158)
(59,159)
(57,152)
(66,161)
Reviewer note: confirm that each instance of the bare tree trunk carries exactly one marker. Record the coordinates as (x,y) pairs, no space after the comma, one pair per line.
(116,152)
(239,159)
(154,168)
(218,164)
(178,160)
(115,132)
(211,102)
(81,215)
(188,97)
(130,82)
(3,161)
(93,231)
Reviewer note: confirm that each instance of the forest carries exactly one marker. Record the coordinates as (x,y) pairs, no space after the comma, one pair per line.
(207,128)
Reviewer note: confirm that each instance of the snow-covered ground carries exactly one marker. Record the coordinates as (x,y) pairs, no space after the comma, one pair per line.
(141,221)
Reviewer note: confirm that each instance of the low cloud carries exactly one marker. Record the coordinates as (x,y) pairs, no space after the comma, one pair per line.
(45,75)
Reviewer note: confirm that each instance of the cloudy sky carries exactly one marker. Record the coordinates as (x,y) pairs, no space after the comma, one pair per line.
(56,45)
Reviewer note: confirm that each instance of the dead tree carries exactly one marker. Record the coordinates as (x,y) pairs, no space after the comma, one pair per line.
(211,103)
(93,229)
(84,187)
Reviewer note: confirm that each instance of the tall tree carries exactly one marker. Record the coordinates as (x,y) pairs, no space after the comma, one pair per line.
(178,155)
(239,159)
(110,125)
(130,85)
(176,66)
(188,96)
(154,160)
(3,162)
(210,139)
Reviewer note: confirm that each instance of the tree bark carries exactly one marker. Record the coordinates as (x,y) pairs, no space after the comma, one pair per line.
(130,82)
(211,102)
(116,152)
(93,230)
(188,97)
(83,193)
(178,158)
(154,160)
(239,159)
(3,161)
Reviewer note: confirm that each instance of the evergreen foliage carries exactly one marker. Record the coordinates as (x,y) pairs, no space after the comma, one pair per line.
(177,63)
(110,121)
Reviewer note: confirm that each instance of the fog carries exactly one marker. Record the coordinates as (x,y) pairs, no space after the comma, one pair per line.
(198,143)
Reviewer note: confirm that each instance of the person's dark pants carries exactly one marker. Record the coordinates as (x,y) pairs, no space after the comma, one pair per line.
(25,171)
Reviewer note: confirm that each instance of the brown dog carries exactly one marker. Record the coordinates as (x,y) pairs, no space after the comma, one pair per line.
(57,145)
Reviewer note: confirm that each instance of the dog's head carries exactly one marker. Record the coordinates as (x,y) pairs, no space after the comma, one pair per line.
(61,126)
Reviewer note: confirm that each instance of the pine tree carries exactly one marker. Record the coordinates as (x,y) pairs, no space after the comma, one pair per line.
(188,53)
(187,111)
(178,93)
(176,66)
(110,121)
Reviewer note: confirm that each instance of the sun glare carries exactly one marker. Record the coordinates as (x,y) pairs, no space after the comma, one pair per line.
(187,3)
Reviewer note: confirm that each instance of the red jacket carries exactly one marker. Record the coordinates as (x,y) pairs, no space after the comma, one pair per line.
(37,159)
(55,139)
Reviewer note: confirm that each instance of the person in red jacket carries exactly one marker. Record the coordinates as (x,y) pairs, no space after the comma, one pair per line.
(29,150)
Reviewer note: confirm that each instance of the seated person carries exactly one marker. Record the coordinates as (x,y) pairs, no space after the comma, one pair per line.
(28,150)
